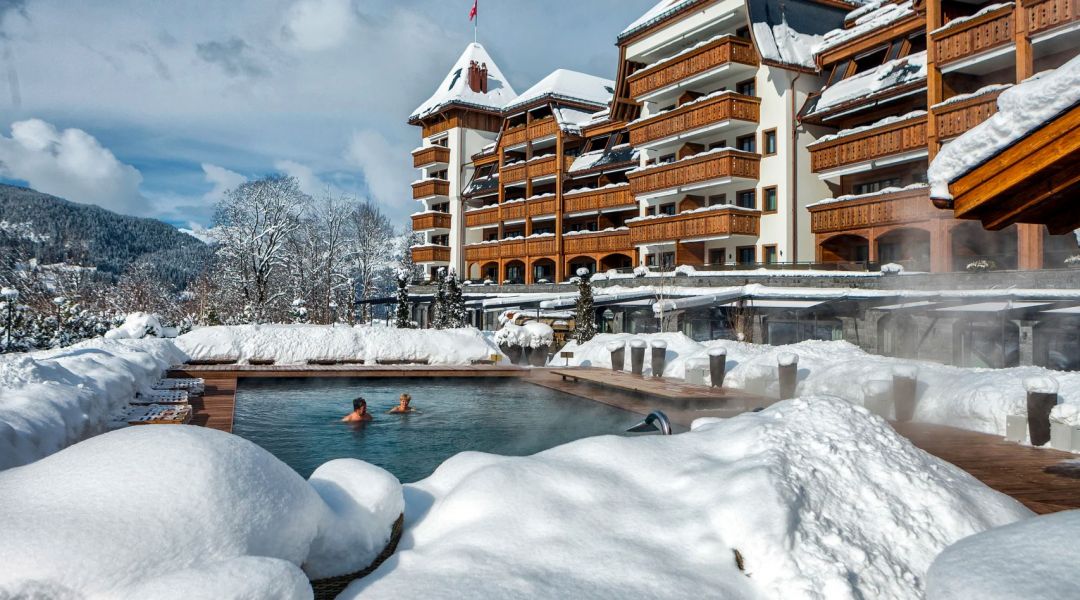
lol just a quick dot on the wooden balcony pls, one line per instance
(430, 187)
(695, 116)
(1049, 14)
(513, 211)
(604, 241)
(479, 218)
(429, 254)
(598, 199)
(425, 157)
(974, 36)
(957, 117)
(541, 206)
(891, 139)
(906, 206)
(427, 221)
(541, 129)
(701, 60)
(540, 246)
(699, 169)
(724, 221)
(515, 136)
(512, 249)
(478, 252)
(513, 174)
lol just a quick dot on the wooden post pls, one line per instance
(637, 356)
(659, 357)
(787, 370)
(1042, 396)
(618, 355)
(717, 366)
(905, 382)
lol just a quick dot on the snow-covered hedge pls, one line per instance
(141, 511)
(975, 399)
(530, 335)
(54, 398)
(815, 498)
(297, 344)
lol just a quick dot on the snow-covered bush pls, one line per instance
(137, 326)
(892, 269)
(685, 270)
(133, 505)
(981, 265)
(641, 271)
(298, 311)
(1073, 261)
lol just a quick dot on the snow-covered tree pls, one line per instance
(408, 239)
(371, 237)
(15, 334)
(455, 313)
(402, 318)
(584, 312)
(298, 312)
(438, 305)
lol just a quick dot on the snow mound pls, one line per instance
(54, 398)
(819, 498)
(135, 327)
(298, 344)
(150, 508)
(1035, 558)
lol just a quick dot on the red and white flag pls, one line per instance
(472, 11)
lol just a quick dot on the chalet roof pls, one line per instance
(875, 82)
(563, 84)
(787, 31)
(455, 90)
(865, 19)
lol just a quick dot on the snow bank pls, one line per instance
(817, 498)
(298, 344)
(135, 327)
(530, 335)
(54, 398)
(975, 399)
(144, 509)
(1035, 558)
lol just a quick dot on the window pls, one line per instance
(770, 254)
(720, 144)
(746, 143)
(768, 199)
(746, 199)
(839, 72)
(894, 50)
(440, 240)
(746, 255)
(870, 187)
(650, 260)
(666, 209)
(746, 88)
(716, 256)
(768, 142)
(717, 199)
(868, 60)
(650, 211)
(667, 260)
(443, 207)
(443, 141)
(667, 158)
(743, 32)
(917, 43)
(439, 174)
(493, 236)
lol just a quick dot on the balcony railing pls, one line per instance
(725, 221)
(428, 254)
(904, 206)
(541, 206)
(706, 58)
(894, 138)
(540, 246)
(957, 117)
(486, 216)
(515, 135)
(512, 248)
(513, 211)
(542, 128)
(598, 199)
(431, 221)
(974, 36)
(424, 157)
(479, 252)
(699, 169)
(603, 241)
(430, 187)
(1048, 14)
(513, 174)
(695, 115)
(540, 167)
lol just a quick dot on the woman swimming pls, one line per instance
(359, 413)
(403, 405)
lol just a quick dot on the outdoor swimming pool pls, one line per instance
(298, 420)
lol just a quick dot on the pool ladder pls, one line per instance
(656, 421)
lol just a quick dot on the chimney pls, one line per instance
(478, 77)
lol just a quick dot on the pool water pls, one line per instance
(299, 420)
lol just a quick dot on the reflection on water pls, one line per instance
(299, 420)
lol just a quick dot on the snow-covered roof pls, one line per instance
(1022, 109)
(983, 91)
(571, 120)
(620, 154)
(895, 73)
(881, 15)
(563, 84)
(657, 13)
(787, 31)
(455, 89)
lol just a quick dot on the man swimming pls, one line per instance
(359, 413)
(403, 405)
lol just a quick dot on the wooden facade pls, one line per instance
(428, 254)
(696, 115)
(974, 36)
(698, 61)
(699, 169)
(598, 199)
(955, 118)
(431, 220)
(908, 135)
(426, 157)
(430, 187)
(714, 223)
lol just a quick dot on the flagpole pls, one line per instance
(476, 20)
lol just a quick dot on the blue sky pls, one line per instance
(154, 108)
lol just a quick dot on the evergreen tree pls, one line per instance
(456, 314)
(439, 312)
(15, 327)
(401, 317)
(298, 311)
(584, 313)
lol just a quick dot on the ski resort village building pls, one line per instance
(737, 134)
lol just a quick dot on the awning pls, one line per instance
(1003, 307)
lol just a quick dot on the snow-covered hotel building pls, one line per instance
(736, 133)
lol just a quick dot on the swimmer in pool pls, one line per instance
(359, 413)
(403, 405)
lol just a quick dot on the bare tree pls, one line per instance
(253, 224)
(371, 239)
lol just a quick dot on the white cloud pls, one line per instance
(309, 182)
(222, 179)
(385, 167)
(71, 164)
(197, 231)
(318, 24)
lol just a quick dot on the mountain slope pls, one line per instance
(54, 230)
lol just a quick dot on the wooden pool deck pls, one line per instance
(1037, 477)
